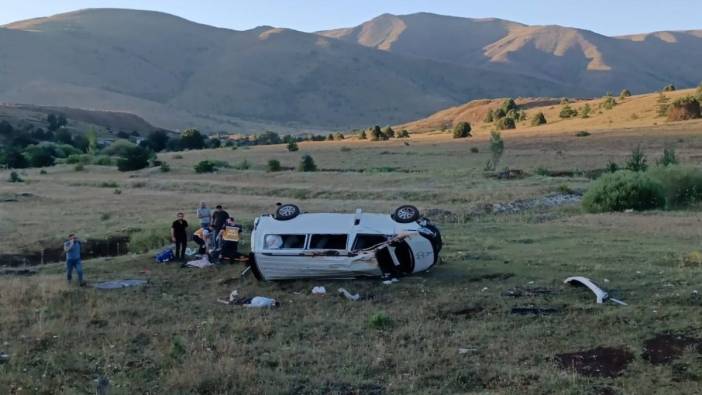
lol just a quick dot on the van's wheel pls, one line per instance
(406, 214)
(286, 212)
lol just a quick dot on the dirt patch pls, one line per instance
(468, 312)
(92, 248)
(600, 361)
(490, 276)
(534, 310)
(666, 347)
(519, 292)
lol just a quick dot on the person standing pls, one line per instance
(72, 249)
(204, 214)
(219, 219)
(179, 235)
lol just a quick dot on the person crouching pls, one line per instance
(230, 236)
(202, 237)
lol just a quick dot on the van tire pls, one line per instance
(406, 214)
(286, 212)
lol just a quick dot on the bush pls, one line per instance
(192, 139)
(637, 160)
(103, 161)
(363, 135)
(307, 164)
(497, 148)
(608, 103)
(568, 112)
(292, 146)
(509, 105)
(377, 134)
(684, 108)
(669, 157)
(582, 133)
(274, 165)
(118, 148)
(39, 156)
(404, 134)
(165, 167)
(489, 117)
(612, 167)
(380, 321)
(474, 150)
(682, 186)
(79, 167)
(624, 190)
(345, 149)
(669, 88)
(84, 159)
(14, 177)
(662, 107)
(624, 93)
(389, 132)
(205, 166)
(585, 111)
(462, 130)
(135, 158)
(539, 119)
(505, 123)
(243, 165)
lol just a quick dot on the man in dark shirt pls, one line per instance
(219, 219)
(179, 235)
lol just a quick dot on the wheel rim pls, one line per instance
(405, 213)
(287, 211)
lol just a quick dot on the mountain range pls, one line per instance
(176, 73)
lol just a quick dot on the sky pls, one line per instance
(609, 17)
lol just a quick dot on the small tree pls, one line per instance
(307, 164)
(499, 114)
(192, 139)
(497, 148)
(669, 157)
(489, 117)
(669, 88)
(509, 105)
(363, 135)
(14, 177)
(662, 107)
(637, 160)
(389, 132)
(585, 111)
(462, 130)
(568, 112)
(608, 102)
(339, 136)
(292, 146)
(377, 134)
(505, 124)
(274, 165)
(91, 135)
(539, 119)
(135, 158)
(158, 140)
(624, 94)
(214, 143)
(205, 166)
(404, 134)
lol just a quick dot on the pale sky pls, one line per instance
(610, 17)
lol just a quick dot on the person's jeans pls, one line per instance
(71, 264)
(180, 244)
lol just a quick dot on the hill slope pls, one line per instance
(584, 60)
(172, 71)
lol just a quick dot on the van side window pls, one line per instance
(284, 242)
(328, 242)
(366, 241)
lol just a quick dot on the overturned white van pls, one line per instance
(294, 245)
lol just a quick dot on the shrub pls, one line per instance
(79, 167)
(462, 130)
(307, 164)
(192, 139)
(624, 190)
(274, 165)
(389, 132)
(585, 111)
(330, 137)
(243, 165)
(489, 117)
(39, 156)
(339, 136)
(669, 157)
(474, 150)
(14, 177)
(624, 93)
(637, 160)
(165, 167)
(292, 146)
(662, 107)
(612, 167)
(380, 321)
(539, 119)
(682, 186)
(345, 149)
(568, 112)
(499, 114)
(43, 172)
(108, 184)
(117, 191)
(693, 258)
(178, 156)
(135, 158)
(582, 133)
(608, 103)
(363, 135)
(669, 88)
(377, 134)
(497, 148)
(205, 166)
(505, 123)
(684, 108)
(118, 148)
(509, 105)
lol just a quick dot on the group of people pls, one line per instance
(218, 235)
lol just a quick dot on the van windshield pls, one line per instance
(328, 242)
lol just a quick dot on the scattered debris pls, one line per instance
(391, 281)
(4, 358)
(348, 295)
(261, 301)
(165, 255)
(491, 276)
(466, 350)
(665, 347)
(601, 295)
(190, 251)
(102, 386)
(117, 284)
(235, 299)
(600, 361)
(17, 272)
(534, 310)
(319, 291)
(468, 312)
(545, 202)
(199, 263)
(519, 292)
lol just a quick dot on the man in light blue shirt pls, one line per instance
(72, 249)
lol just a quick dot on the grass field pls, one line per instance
(173, 337)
